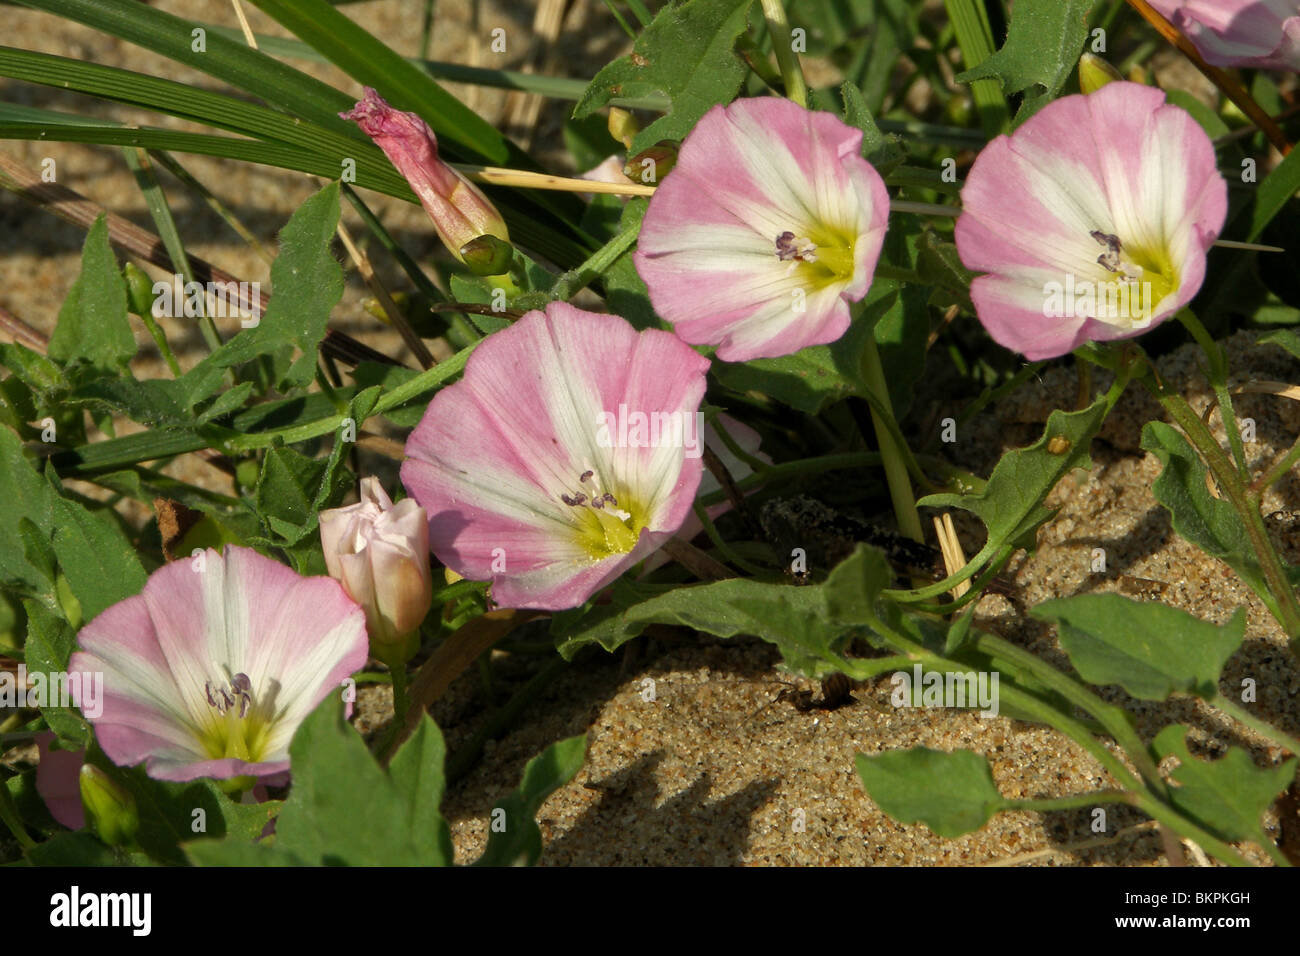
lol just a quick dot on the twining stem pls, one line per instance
(896, 476)
(1073, 802)
(777, 24)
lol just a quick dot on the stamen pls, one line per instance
(791, 248)
(585, 475)
(573, 500)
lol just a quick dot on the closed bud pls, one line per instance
(1094, 73)
(379, 552)
(459, 210)
(623, 126)
(110, 809)
(139, 290)
(487, 255)
(651, 165)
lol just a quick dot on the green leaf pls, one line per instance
(885, 152)
(1043, 46)
(1208, 522)
(50, 642)
(1283, 339)
(307, 281)
(819, 375)
(100, 563)
(1149, 649)
(1227, 796)
(808, 624)
(520, 842)
(687, 54)
(288, 488)
(344, 809)
(1010, 504)
(1274, 193)
(23, 495)
(951, 793)
(93, 326)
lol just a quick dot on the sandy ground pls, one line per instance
(721, 767)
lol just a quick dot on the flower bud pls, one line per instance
(139, 289)
(459, 210)
(379, 552)
(1094, 73)
(110, 808)
(651, 165)
(487, 255)
(623, 126)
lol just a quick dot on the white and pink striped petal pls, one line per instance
(769, 225)
(567, 453)
(209, 671)
(1091, 222)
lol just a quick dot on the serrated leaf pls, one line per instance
(1149, 649)
(93, 325)
(1043, 46)
(951, 793)
(1227, 796)
(1010, 504)
(1208, 522)
(687, 54)
(23, 495)
(288, 487)
(520, 842)
(344, 809)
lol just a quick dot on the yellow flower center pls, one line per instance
(823, 255)
(234, 726)
(1141, 277)
(607, 522)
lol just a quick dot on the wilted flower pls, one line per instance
(769, 226)
(209, 671)
(1258, 33)
(1092, 220)
(379, 552)
(459, 210)
(567, 453)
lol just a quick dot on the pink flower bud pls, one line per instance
(459, 210)
(379, 552)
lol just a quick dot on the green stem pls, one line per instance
(1071, 803)
(160, 339)
(727, 552)
(1219, 382)
(782, 44)
(896, 476)
(1276, 473)
(975, 37)
(9, 814)
(1261, 727)
(1281, 598)
(574, 280)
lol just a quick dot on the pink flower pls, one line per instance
(58, 781)
(1259, 33)
(567, 453)
(769, 225)
(379, 552)
(209, 671)
(1092, 220)
(459, 210)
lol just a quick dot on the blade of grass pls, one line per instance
(971, 22)
(138, 162)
